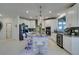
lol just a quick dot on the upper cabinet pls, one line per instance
(31, 24)
(72, 16)
(78, 14)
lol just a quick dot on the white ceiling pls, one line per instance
(19, 9)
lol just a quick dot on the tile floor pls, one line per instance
(14, 47)
(55, 50)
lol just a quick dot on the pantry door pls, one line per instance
(8, 31)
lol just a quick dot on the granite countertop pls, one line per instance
(71, 35)
(66, 34)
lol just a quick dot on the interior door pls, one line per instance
(8, 31)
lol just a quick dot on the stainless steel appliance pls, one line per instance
(59, 40)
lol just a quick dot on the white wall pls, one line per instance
(52, 23)
(15, 29)
(1, 32)
(14, 22)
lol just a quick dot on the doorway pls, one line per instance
(8, 31)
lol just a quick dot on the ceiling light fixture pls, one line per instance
(50, 12)
(27, 11)
(0, 15)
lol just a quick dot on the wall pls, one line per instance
(3, 31)
(14, 22)
(52, 23)
(31, 24)
(15, 29)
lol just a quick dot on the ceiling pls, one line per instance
(19, 9)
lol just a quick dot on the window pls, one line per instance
(62, 24)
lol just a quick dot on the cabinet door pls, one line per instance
(32, 24)
(78, 14)
(75, 16)
(67, 43)
(75, 45)
(8, 31)
(71, 17)
(53, 36)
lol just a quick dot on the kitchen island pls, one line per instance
(39, 45)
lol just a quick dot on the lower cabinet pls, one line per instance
(71, 44)
(75, 45)
(67, 43)
(53, 36)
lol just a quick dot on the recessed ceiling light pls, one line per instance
(50, 11)
(0, 15)
(27, 11)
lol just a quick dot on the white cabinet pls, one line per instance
(75, 45)
(78, 14)
(53, 36)
(72, 17)
(71, 44)
(31, 24)
(67, 43)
